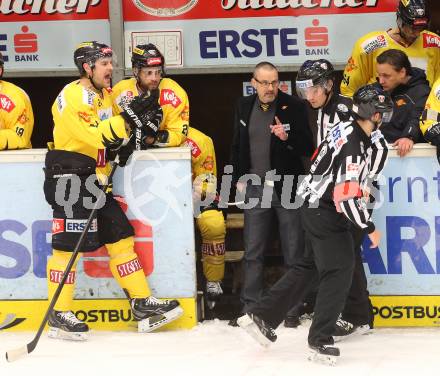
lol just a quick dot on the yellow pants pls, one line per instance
(211, 224)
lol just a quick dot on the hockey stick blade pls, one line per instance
(15, 354)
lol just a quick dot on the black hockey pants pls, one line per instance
(330, 251)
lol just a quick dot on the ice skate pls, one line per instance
(325, 354)
(257, 329)
(345, 329)
(213, 293)
(153, 313)
(65, 325)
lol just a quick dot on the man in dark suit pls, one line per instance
(271, 134)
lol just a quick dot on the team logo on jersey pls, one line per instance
(337, 137)
(57, 225)
(352, 170)
(208, 164)
(437, 93)
(431, 41)
(61, 102)
(6, 103)
(165, 8)
(78, 225)
(85, 116)
(88, 96)
(376, 136)
(167, 96)
(125, 98)
(184, 115)
(374, 43)
(400, 102)
(105, 113)
(195, 150)
(22, 119)
(351, 65)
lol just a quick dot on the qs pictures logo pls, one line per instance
(10, 321)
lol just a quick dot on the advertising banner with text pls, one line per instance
(200, 33)
(42, 35)
(156, 195)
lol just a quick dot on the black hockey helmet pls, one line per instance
(314, 73)
(147, 55)
(90, 52)
(370, 99)
(413, 13)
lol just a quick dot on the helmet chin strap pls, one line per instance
(93, 82)
(377, 124)
(328, 93)
(402, 34)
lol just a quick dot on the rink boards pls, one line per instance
(155, 192)
(155, 189)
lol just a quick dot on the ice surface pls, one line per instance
(214, 348)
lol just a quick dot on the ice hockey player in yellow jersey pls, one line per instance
(210, 221)
(430, 120)
(148, 70)
(148, 66)
(86, 134)
(16, 116)
(410, 36)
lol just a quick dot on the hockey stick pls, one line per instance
(13, 355)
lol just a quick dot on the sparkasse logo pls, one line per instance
(316, 36)
(26, 45)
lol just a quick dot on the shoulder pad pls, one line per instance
(373, 42)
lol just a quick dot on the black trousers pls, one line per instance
(257, 233)
(330, 252)
(358, 309)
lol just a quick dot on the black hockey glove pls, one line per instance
(432, 134)
(162, 138)
(144, 115)
(124, 153)
(146, 136)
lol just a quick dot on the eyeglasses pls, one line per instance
(266, 83)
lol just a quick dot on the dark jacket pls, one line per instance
(285, 156)
(409, 101)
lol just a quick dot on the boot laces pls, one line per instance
(69, 317)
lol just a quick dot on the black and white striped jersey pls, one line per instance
(377, 155)
(343, 167)
(336, 110)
